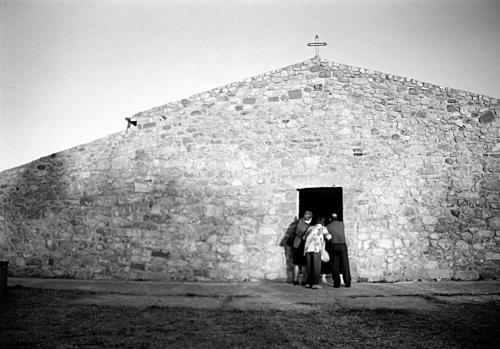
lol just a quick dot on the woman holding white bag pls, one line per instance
(314, 246)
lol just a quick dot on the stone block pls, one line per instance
(363, 236)
(483, 233)
(491, 182)
(445, 244)
(492, 256)
(138, 266)
(267, 230)
(377, 252)
(249, 100)
(367, 245)
(325, 73)
(221, 248)
(494, 223)
(213, 210)
(142, 188)
(295, 94)
(421, 114)
(466, 275)
(315, 69)
(212, 239)
(398, 243)
(86, 200)
(466, 236)
(440, 274)
(487, 116)
(19, 262)
(89, 262)
(160, 254)
(491, 165)
(343, 131)
(372, 275)
(359, 81)
(431, 265)
(386, 244)
(256, 274)
(461, 245)
(120, 162)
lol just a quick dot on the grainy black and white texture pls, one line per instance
(205, 187)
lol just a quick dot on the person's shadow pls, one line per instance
(287, 242)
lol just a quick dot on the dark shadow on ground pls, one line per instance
(51, 319)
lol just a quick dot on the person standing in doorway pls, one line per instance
(299, 260)
(338, 252)
(315, 243)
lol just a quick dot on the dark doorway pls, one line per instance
(321, 201)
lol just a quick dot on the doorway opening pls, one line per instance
(322, 202)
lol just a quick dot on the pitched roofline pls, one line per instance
(181, 103)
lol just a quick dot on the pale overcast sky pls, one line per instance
(72, 70)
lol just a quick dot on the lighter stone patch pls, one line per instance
(461, 245)
(445, 244)
(440, 274)
(359, 81)
(213, 210)
(312, 162)
(120, 162)
(492, 256)
(363, 236)
(398, 243)
(20, 262)
(247, 164)
(344, 131)
(142, 188)
(236, 183)
(466, 275)
(236, 249)
(494, 222)
(156, 209)
(431, 265)
(385, 244)
(267, 231)
(429, 220)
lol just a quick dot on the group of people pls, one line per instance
(317, 250)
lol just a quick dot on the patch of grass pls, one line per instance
(36, 318)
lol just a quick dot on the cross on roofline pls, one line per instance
(316, 44)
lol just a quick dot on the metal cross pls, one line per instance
(316, 43)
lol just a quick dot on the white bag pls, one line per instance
(325, 257)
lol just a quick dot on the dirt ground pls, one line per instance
(88, 314)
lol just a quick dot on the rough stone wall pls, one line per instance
(205, 187)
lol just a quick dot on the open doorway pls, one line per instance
(321, 201)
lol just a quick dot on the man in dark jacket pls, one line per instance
(299, 260)
(338, 252)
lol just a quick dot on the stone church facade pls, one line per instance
(204, 188)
